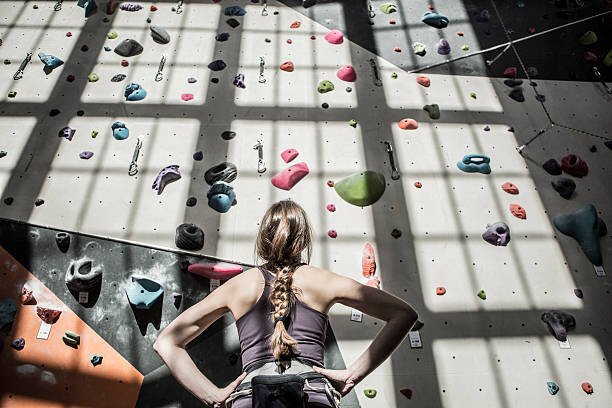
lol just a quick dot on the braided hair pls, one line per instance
(284, 233)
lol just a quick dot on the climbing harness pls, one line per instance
(159, 76)
(179, 7)
(24, 64)
(261, 164)
(603, 82)
(264, 8)
(371, 12)
(58, 5)
(133, 170)
(375, 72)
(395, 175)
(262, 67)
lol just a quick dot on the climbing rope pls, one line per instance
(24, 64)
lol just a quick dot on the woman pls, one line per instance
(281, 315)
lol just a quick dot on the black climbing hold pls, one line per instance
(159, 35)
(197, 156)
(54, 112)
(63, 241)
(9, 200)
(118, 78)
(80, 113)
(593, 149)
(325, 105)
(511, 129)
(3, 153)
(564, 186)
(222, 37)
(149, 20)
(225, 171)
(396, 233)
(559, 323)
(39, 202)
(7, 62)
(191, 201)
(608, 144)
(540, 98)
(511, 82)
(517, 94)
(18, 343)
(552, 167)
(228, 135)
(275, 13)
(70, 78)
(84, 48)
(268, 40)
(217, 65)
(189, 237)
(232, 22)
(214, 80)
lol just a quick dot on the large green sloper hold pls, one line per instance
(585, 227)
(361, 189)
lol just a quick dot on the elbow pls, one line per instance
(159, 344)
(409, 317)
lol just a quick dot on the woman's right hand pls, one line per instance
(340, 379)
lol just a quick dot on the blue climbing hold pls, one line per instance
(120, 131)
(134, 92)
(234, 11)
(475, 163)
(435, 20)
(51, 62)
(553, 388)
(96, 360)
(586, 228)
(143, 292)
(8, 308)
(221, 196)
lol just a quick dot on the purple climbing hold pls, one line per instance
(18, 343)
(191, 201)
(497, 234)
(167, 175)
(559, 323)
(444, 47)
(67, 132)
(578, 293)
(86, 155)
(217, 65)
(130, 6)
(239, 81)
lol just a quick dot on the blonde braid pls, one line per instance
(282, 299)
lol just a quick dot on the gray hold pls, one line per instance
(159, 35)
(129, 48)
(82, 274)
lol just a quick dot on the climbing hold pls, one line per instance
(186, 97)
(191, 201)
(26, 295)
(473, 95)
(12, 94)
(177, 298)
(222, 37)
(234, 11)
(153, 7)
(486, 128)
(512, 82)
(134, 92)
(296, 24)
(38, 202)
(517, 94)
(129, 48)
(352, 123)
(48, 315)
(586, 228)
(239, 81)
(510, 72)
(497, 234)
(578, 293)
(68, 34)
(62, 239)
(118, 78)
(552, 167)
(289, 41)
(330, 183)
(228, 135)
(423, 81)
(166, 176)
(435, 20)
(347, 73)
(406, 392)
(96, 360)
(232, 22)
(198, 156)
(518, 211)
(82, 275)
(221, 197)
(159, 35)
(289, 177)
(440, 290)
(93, 77)
(418, 184)
(510, 188)
(482, 294)
(332, 233)
(143, 292)
(394, 75)
(553, 388)
(465, 47)
(71, 338)
(388, 8)
(475, 163)
(432, 110)
(289, 154)
(532, 72)
(125, 63)
(66, 132)
(588, 38)
(8, 200)
(574, 166)
(54, 112)
(189, 237)
(120, 131)
(395, 233)
(224, 171)
(191, 80)
(287, 66)
(112, 35)
(564, 186)
(408, 124)
(361, 189)
(325, 105)
(334, 37)
(8, 308)
(397, 49)
(484, 16)
(419, 49)
(368, 261)
(587, 387)
(50, 61)
(330, 207)
(443, 47)
(559, 323)
(607, 60)
(18, 343)
(216, 270)
(325, 86)
(130, 6)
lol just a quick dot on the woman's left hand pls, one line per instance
(217, 399)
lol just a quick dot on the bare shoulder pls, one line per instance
(317, 286)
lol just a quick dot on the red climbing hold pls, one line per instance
(330, 207)
(125, 63)
(460, 33)
(423, 81)
(518, 211)
(406, 392)
(510, 72)
(295, 24)
(330, 183)
(408, 124)
(397, 49)
(587, 387)
(574, 165)
(440, 290)
(332, 233)
(510, 188)
(49, 316)
(153, 7)
(313, 37)
(287, 66)
(289, 41)
(418, 184)
(69, 34)
(368, 261)
(531, 30)
(26, 295)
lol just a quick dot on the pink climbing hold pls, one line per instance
(440, 290)
(289, 154)
(330, 207)
(217, 270)
(287, 66)
(69, 34)
(330, 183)
(423, 81)
(332, 233)
(510, 188)
(186, 97)
(518, 211)
(288, 178)
(296, 24)
(510, 72)
(289, 41)
(334, 37)
(408, 124)
(347, 73)
(590, 56)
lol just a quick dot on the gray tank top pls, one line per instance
(305, 324)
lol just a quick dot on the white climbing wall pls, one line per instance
(441, 222)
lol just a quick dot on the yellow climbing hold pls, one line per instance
(94, 134)
(93, 77)
(369, 392)
(112, 35)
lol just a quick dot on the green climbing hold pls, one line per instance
(465, 47)
(394, 75)
(388, 8)
(482, 294)
(94, 134)
(607, 61)
(112, 35)
(93, 77)
(353, 123)
(473, 95)
(325, 86)
(106, 19)
(361, 189)
(433, 110)
(369, 392)
(588, 38)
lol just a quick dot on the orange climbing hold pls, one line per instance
(518, 211)
(368, 261)
(587, 387)
(296, 24)
(440, 290)
(408, 124)
(287, 66)
(423, 81)
(510, 188)
(374, 282)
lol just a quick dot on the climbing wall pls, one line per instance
(474, 352)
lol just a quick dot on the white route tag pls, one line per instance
(214, 284)
(415, 339)
(83, 297)
(564, 344)
(356, 316)
(599, 271)
(43, 331)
